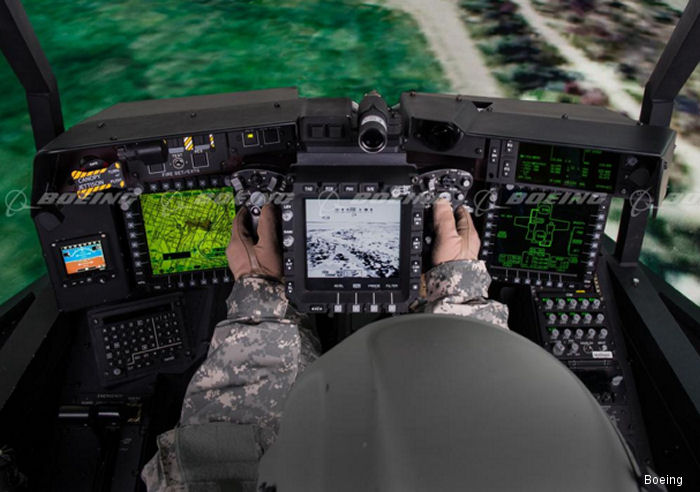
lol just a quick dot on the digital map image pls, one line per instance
(188, 230)
(537, 240)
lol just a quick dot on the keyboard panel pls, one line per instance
(139, 338)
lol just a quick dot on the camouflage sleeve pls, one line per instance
(254, 357)
(461, 288)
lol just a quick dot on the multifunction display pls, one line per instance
(353, 238)
(544, 238)
(584, 169)
(188, 230)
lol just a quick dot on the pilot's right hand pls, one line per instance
(257, 258)
(453, 241)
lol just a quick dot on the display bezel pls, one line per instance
(138, 244)
(81, 277)
(367, 295)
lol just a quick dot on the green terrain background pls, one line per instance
(105, 52)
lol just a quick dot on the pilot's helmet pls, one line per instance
(435, 402)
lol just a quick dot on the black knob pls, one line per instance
(448, 181)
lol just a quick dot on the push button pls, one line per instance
(250, 138)
(417, 219)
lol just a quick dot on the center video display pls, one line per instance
(188, 230)
(352, 238)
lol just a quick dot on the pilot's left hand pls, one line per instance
(257, 258)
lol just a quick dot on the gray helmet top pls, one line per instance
(434, 402)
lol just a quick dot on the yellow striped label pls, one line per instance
(211, 141)
(93, 189)
(84, 174)
(188, 143)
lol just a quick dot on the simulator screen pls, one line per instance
(83, 257)
(188, 230)
(353, 238)
(556, 238)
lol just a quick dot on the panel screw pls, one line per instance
(193, 114)
(635, 282)
(101, 124)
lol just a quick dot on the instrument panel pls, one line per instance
(123, 218)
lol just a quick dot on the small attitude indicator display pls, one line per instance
(83, 257)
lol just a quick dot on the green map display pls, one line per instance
(544, 237)
(544, 242)
(188, 230)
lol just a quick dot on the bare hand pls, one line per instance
(458, 241)
(246, 257)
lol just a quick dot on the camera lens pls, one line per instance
(372, 134)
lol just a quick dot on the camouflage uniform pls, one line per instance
(254, 358)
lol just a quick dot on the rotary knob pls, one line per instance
(563, 318)
(587, 318)
(551, 318)
(596, 303)
(548, 304)
(567, 334)
(257, 199)
(578, 334)
(558, 349)
(603, 334)
(573, 303)
(448, 181)
(573, 348)
(561, 303)
(599, 318)
(287, 215)
(554, 334)
(288, 241)
(585, 303)
(591, 333)
(575, 318)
